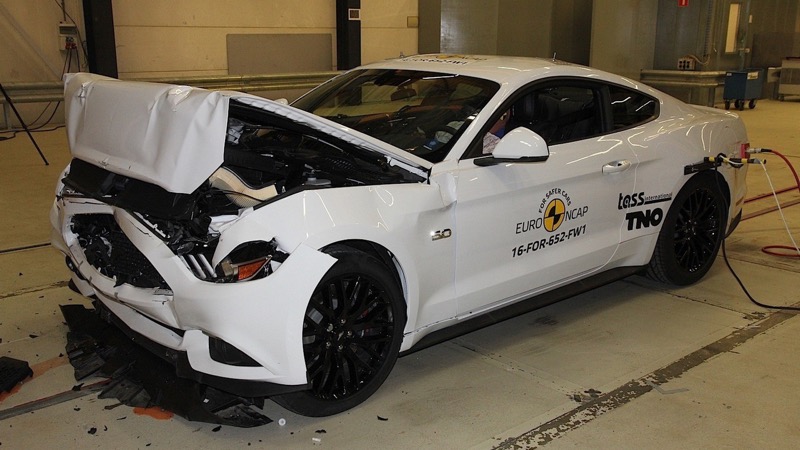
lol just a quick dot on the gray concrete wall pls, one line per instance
(509, 27)
(525, 28)
(770, 32)
(680, 31)
(623, 36)
(469, 26)
(430, 26)
(572, 30)
(776, 31)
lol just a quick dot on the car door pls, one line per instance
(522, 228)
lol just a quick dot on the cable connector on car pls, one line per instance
(735, 162)
(712, 162)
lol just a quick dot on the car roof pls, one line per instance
(502, 69)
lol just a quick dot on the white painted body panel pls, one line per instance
(444, 281)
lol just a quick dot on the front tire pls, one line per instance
(692, 233)
(352, 332)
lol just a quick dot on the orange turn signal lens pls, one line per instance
(247, 270)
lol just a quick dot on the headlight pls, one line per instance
(250, 261)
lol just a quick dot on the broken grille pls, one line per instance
(110, 251)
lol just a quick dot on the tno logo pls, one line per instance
(644, 219)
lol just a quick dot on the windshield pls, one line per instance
(420, 112)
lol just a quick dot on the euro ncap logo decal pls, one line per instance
(554, 214)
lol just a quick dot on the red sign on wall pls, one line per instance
(682, 3)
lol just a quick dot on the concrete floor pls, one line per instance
(634, 364)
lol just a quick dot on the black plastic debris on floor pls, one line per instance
(12, 372)
(141, 379)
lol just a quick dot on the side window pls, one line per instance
(560, 114)
(630, 108)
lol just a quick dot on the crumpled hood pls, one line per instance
(169, 135)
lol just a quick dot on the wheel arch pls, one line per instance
(390, 263)
(722, 182)
(724, 187)
(681, 255)
(379, 251)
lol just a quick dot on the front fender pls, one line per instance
(400, 218)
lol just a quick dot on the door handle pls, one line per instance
(617, 166)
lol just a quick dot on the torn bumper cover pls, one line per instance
(138, 378)
(243, 337)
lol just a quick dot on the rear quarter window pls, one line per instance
(630, 108)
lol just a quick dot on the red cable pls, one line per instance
(791, 167)
(770, 249)
(768, 194)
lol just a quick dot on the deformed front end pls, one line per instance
(152, 216)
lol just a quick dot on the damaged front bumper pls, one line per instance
(201, 326)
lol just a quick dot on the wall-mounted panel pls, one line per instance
(278, 53)
(227, 14)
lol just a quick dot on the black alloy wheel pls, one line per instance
(692, 233)
(352, 332)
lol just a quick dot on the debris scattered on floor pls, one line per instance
(217, 428)
(587, 395)
(281, 421)
(593, 393)
(154, 412)
(322, 431)
(663, 391)
(92, 430)
(12, 372)
(141, 379)
(384, 419)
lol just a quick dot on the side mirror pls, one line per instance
(520, 145)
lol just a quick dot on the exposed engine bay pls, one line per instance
(266, 157)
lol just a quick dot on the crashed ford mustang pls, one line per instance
(295, 251)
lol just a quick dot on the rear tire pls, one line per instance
(692, 233)
(352, 332)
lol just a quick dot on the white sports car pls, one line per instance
(296, 251)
